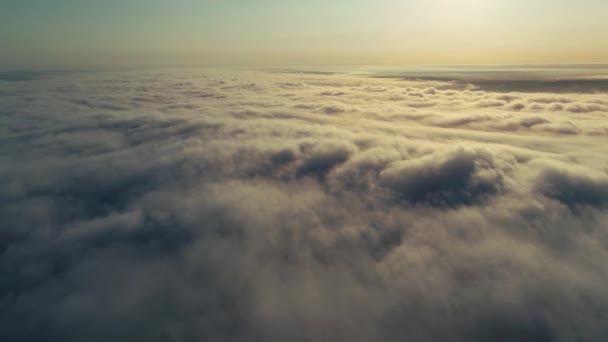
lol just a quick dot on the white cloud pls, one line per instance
(225, 205)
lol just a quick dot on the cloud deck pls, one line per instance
(246, 206)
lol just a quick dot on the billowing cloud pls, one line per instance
(457, 177)
(250, 206)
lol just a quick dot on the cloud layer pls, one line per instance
(250, 206)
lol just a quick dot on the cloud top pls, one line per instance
(250, 206)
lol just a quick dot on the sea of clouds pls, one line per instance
(285, 206)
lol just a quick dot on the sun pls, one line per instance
(452, 4)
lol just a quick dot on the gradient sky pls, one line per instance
(77, 33)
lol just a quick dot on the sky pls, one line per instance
(73, 34)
